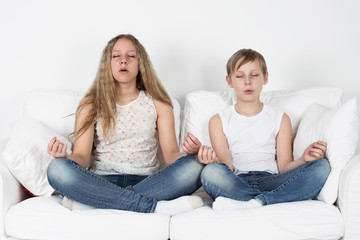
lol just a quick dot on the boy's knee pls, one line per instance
(323, 169)
(213, 172)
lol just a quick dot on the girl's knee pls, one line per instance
(187, 169)
(192, 164)
(59, 172)
(56, 166)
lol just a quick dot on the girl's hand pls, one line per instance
(207, 155)
(314, 151)
(191, 144)
(57, 149)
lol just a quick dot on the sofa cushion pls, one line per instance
(200, 106)
(295, 220)
(45, 218)
(26, 154)
(339, 127)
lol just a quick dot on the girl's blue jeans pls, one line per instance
(125, 192)
(301, 183)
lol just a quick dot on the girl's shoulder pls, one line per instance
(145, 94)
(86, 104)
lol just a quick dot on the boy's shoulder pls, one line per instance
(273, 109)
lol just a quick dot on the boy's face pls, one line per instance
(247, 81)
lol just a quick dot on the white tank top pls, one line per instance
(252, 140)
(132, 148)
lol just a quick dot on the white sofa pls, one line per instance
(335, 214)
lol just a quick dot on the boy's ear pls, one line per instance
(228, 80)
(266, 79)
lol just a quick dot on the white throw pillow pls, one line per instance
(295, 102)
(26, 154)
(56, 108)
(200, 106)
(177, 111)
(339, 127)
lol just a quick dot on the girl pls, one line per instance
(253, 143)
(121, 119)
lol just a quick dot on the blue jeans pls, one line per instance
(125, 192)
(301, 183)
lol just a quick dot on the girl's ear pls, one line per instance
(228, 81)
(266, 79)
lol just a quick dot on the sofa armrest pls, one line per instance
(349, 197)
(11, 191)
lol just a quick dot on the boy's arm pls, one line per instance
(219, 142)
(284, 151)
(284, 154)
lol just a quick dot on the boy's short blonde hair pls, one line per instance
(245, 56)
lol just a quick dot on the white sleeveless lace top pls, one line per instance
(132, 148)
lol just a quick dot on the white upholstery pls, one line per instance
(45, 218)
(296, 220)
(349, 198)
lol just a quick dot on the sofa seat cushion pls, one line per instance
(46, 218)
(296, 220)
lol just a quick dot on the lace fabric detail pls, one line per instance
(132, 147)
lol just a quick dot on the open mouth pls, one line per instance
(123, 70)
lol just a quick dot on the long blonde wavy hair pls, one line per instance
(100, 98)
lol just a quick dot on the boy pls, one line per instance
(253, 146)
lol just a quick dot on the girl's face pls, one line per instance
(247, 81)
(124, 62)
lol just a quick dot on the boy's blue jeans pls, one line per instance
(125, 192)
(301, 183)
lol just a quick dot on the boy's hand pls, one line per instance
(207, 155)
(57, 149)
(314, 151)
(191, 144)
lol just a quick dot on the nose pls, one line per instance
(247, 81)
(123, 60)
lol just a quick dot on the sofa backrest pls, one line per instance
(200, 106)
(56, 109)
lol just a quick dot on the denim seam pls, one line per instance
(305, 169)
(219, 190)
(174, 164)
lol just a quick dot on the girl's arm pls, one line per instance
(219, 142)
(166, 132)
(82, 145)
(191, 144)
(284, 151)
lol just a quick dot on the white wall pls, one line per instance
(57, 44)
